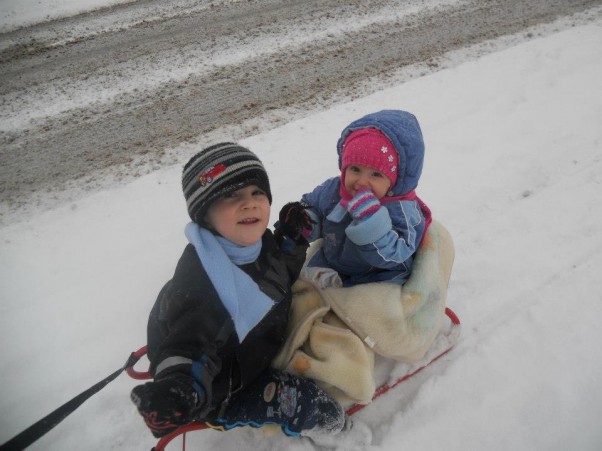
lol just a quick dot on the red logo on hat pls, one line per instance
(207, 177)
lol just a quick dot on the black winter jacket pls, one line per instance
(191, 332)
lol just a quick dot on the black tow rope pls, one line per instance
(37, 430)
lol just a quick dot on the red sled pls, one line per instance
(436, 352)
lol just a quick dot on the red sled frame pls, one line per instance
(197, 425)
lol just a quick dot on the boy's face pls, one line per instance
(242, 217)
(358, 177)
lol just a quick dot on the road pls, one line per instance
(107, 95)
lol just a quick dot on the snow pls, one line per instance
(20, 13)
(14, 13)
(54, 98)
(513, 170)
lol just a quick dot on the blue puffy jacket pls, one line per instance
(380, 247)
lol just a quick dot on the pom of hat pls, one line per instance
(370, 147)
(218, 171)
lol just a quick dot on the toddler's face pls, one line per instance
(242, 217)
(358, 177)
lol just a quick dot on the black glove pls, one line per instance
(168, 403)
(294, 222)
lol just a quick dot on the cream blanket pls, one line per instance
(335, 332)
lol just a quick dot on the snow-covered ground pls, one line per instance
(17, 13)
(513, 169)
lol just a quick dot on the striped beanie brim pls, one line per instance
(218, 171)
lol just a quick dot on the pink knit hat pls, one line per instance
(370, 147)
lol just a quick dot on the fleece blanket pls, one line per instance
(335, 332)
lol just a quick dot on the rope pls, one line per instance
(42, 427)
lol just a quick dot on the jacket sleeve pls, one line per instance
(321, 200)
(292, 255)
(389, 237)
(185, 330)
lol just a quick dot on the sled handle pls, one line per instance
(134, 357)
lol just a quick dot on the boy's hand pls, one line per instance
(295, 222)
(167, 404)
(363, 205)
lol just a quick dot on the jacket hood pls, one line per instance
(403, 130)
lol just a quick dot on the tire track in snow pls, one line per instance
(136, 127)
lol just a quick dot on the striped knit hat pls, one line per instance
(218, 171)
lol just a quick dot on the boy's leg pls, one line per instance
(298, 405)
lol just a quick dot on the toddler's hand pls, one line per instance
(363, 205)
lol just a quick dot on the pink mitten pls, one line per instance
(363, 204)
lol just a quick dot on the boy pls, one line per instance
(217, 324)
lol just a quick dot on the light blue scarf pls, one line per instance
(241, 296)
